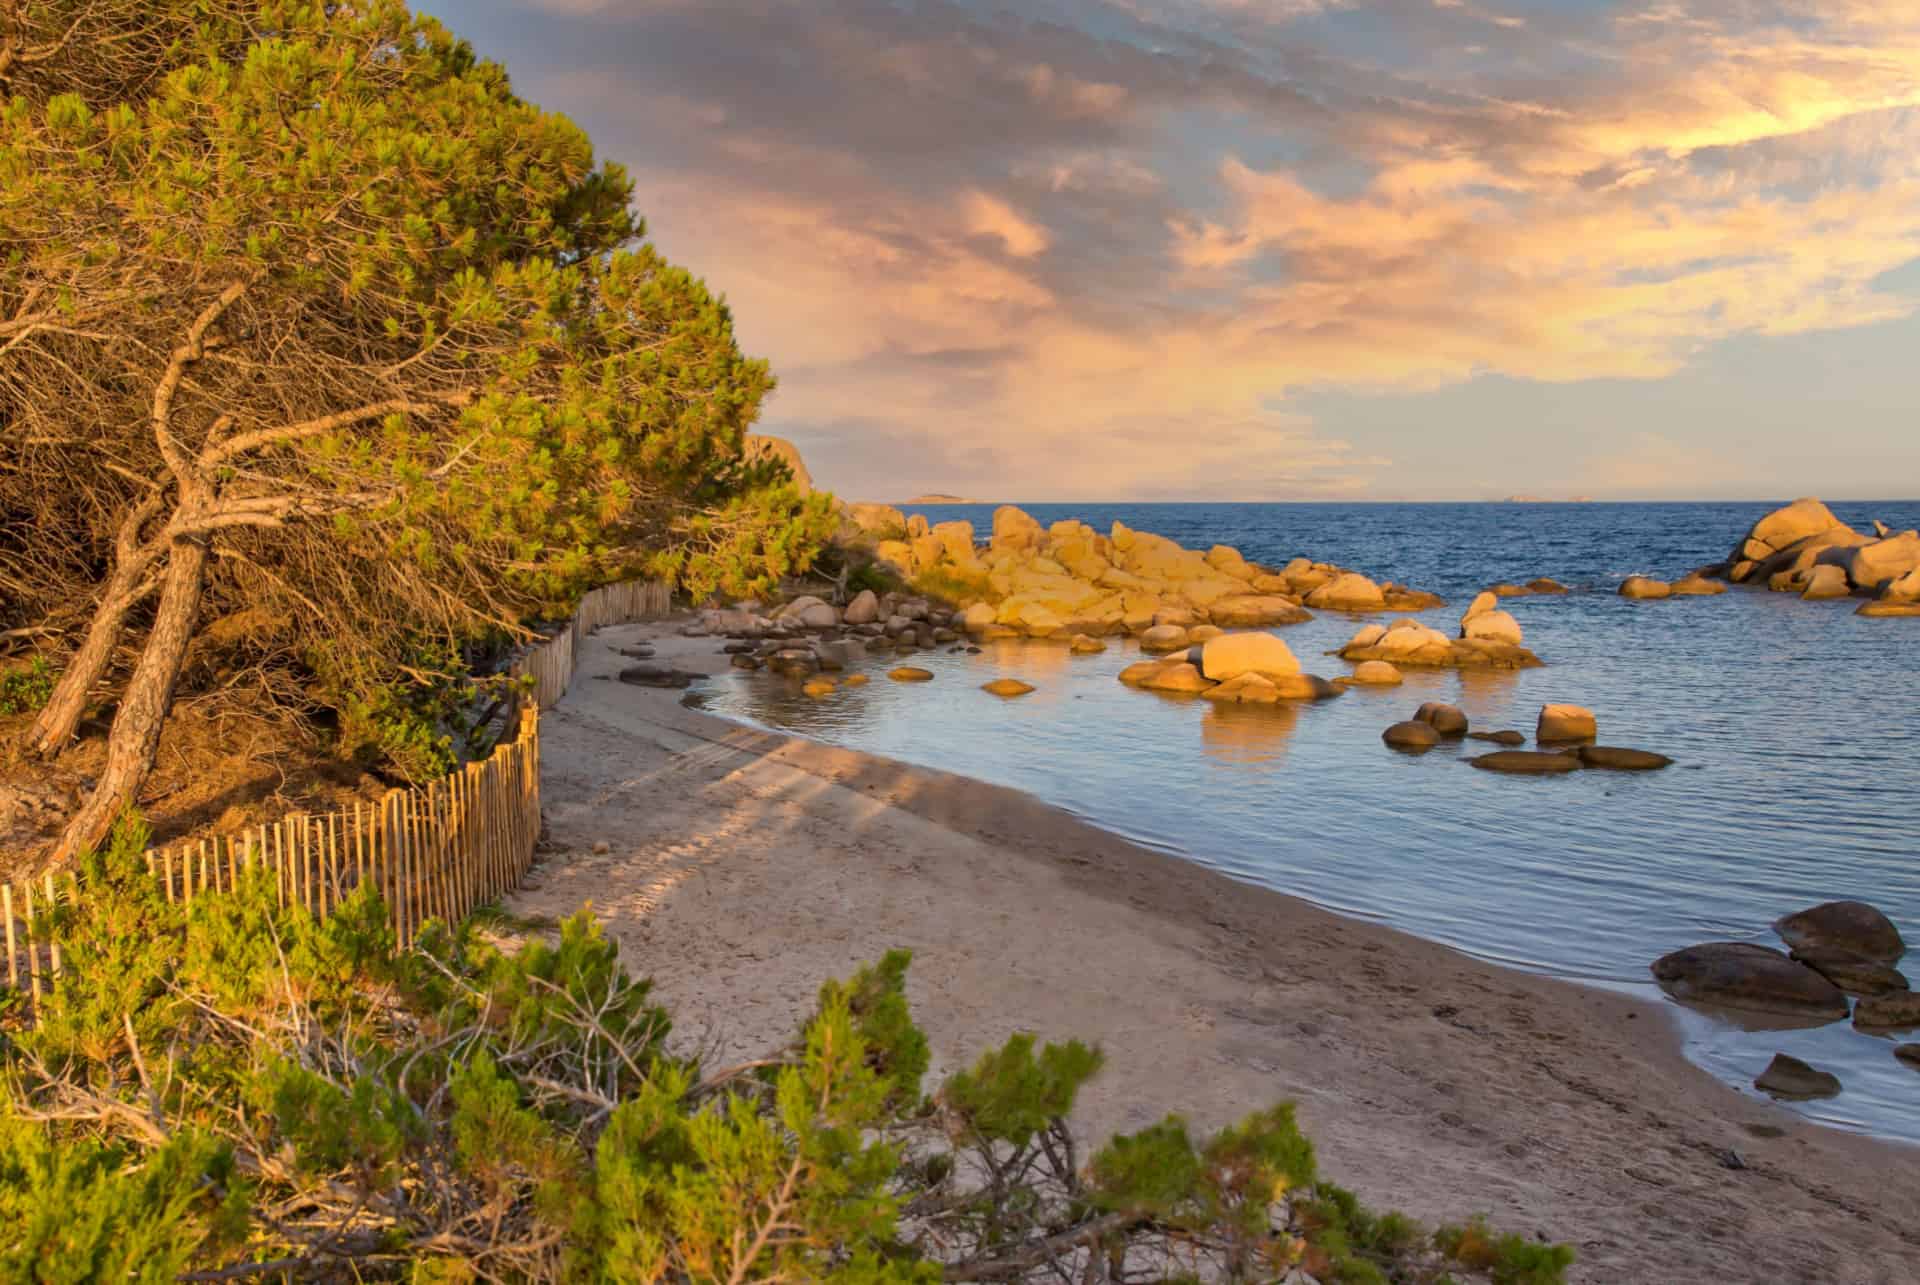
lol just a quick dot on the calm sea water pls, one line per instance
(1796, 726)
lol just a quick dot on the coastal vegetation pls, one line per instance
(237, 1090)
(328, 367)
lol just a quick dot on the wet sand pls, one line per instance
(744, 867)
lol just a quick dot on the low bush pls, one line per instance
(237, 1090)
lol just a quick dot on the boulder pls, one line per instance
(1369, 636)
(917, 527)
(1304, 687)
(1409, 641)
(1902, 589)
(797, 662)
(1448, 720)
(864, 609)
(1737, 974)
(1534, 762)
(910, 674)
(856, 680)
(1855, 974)
(1139, 671)
(1205, 633)
(878, 519)
(1495, 626)
(1255, 611)
(1483, 602)
(1376, 673)
(1008, 687)
(1181, 616)
(1248, 688)
(1400, 598)
(1824, 582)
(1545, 585)
(1014, 529)
(1696, 585)
(1176, 676)
(1348, 591)
(1645, 587)
(1411, 735)
(757, 447)
(1893, 1011)
(1619, 759)
(1166, 638)
(1782, 527)
(1872, 565)
(1086, 645)
(1499, 738)
(1231, 655)
(744, 661)
(977, 617)
(840, 653)
(1850, 926)
(1790, 1078)
(819, 686)
(955, 539)
(1227, 560)
(820, 615)
(1565, 723)
(897, 554)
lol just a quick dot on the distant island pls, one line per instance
(1541, 499)
(935, 497)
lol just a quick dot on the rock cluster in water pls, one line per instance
(1837, 952)
(1068, 579)
(1236, 668)
(1803, 548)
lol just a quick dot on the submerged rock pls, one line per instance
(1619, 759)
(1742, 975)
(1855, 974)
(1892, 1011)
(1853, 927)
(1645, 587)
(817, 687)
(910, 674)
(1908, 1053)
(1086, 645)
(1008, 687)
(1531, 762)
(1789, 1077)
(1697, 586)
(1448, 720)
(1411, 735)
(1499, 738)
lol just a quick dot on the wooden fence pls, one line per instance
(433, 852)
(551, 664)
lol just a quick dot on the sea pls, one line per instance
(1795, 726)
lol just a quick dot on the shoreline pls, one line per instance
(747, 866)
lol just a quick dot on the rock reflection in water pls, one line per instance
(1249, 734)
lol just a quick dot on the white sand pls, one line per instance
(746, 867)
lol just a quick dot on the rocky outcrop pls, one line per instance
(1745, 976)
(1409, 642)
(1803, 548)
(1068, 580)
(758, 447)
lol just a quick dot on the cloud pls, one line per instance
(1103, 244)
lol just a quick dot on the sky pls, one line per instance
(1284, 249)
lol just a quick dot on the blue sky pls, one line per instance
(1277, 249)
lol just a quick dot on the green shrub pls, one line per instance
(22, 691)
(240, 1088)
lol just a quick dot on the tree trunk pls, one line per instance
(143, 708)
(55, 726)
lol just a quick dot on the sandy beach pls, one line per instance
(744, 867)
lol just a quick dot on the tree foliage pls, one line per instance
(317, 330)
(238, 1088)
